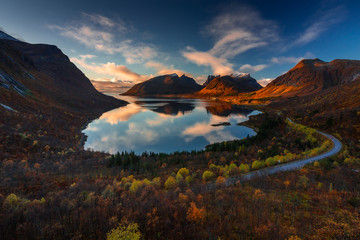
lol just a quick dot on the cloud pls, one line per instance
(251, 68)
(236, 30)
(219, 65)
(323, 20)
(105, 35)
(163, 70)
(102, 20)
(110, 69)
(122, 114)
(265, 81)
(288, 60)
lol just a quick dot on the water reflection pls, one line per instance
(167, 107)
(166, 125)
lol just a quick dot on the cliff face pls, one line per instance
(165, 85)
(229, 85)
(38, 74)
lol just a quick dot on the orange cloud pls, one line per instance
(110, 69)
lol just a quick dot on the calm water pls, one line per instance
(166, 125)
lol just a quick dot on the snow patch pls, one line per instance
(7, 107)
(240, 75)
(7, 81)
(173, 75)
(355, 77)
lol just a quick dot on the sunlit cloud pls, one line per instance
(219, 65)
(111, 69)
(113, 85)
(236, 31)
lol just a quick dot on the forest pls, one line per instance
(51, 188)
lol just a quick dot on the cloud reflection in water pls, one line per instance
(166, 125)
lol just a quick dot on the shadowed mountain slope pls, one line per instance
(35, 75)
(165, 85)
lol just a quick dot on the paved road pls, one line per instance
(294, 165)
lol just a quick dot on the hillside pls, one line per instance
(45, 100)
(229, 85)
(164, 85)
(311, 76)
(33, 76)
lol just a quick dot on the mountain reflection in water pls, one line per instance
(166, 125)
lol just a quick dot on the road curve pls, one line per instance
(294, 165)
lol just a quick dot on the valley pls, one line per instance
(228, 182)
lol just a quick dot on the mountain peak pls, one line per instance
(169, 84)
(240, 75)
(173, 75)
(309, 63)
(6, 36)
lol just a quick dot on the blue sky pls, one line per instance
(135, 40)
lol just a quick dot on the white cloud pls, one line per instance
(236, 30)
(102, 20)
(323, 20)
(265, 81)
(288, 60)
(251, 68)
(97, 32)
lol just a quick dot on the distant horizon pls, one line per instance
(122, 42)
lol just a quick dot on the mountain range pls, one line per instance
(214, 86)
(40, 74)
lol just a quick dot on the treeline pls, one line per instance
(265, 130)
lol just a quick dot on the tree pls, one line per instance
(170, 183)
(123, 232)
(207, 175)
(256, 165)
(195, 214)
(12, 201)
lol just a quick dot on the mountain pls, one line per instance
(311, 76)
(165, 85)
(6, 36)
(33, 76)
(209, 78)
(229, 85)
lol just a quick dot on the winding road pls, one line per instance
(294, 165)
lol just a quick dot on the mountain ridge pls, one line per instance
(229, 85)
(40, 74)
(164, 85)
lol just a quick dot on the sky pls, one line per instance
(132, 41)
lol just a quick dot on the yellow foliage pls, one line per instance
(170, 183)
